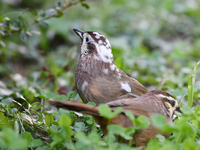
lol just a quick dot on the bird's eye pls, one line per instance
(87, 40)
(172, 103)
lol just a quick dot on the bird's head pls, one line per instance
(170, 102)
(95, 44)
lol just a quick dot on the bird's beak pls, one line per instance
(179, 110)
(79, 33)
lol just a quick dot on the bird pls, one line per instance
(148, 104)
(97, 77)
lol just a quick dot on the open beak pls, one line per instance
(79, 33)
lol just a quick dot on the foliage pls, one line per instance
(156, 42)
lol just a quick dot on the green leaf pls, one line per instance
(36, 143)
(27, 136)
(16, 24)
(130, 116)
(72, 94)
(161, 138)
(64, 121)
(189, 144)
(153, 144)
(186, 110)
(117, 111)
(123, 132)
(50, 12)
(49, 120)
(85, 5)
(169, 128)
(44, 24)
(60, 97)
(158, 121)
(197, 109)
(12, 139)
(105, 111)
(79, 126)
(91, 103)
(47, 94)
(6, 102)
(23, 36)
(142, 122)
(37, 107)
(3, 121)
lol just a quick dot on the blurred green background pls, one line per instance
(156, 42)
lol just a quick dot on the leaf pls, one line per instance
(169, 128)
(54, 128)
(60, 97)
(160, 137)
(34, 12)
(12, 139)
(6, 102)
(23, 23)
(197, 109)
(64, 121)
(27, 136)
(123, 132)
(186, 110)
(79, 126)
(49, 120)
(189, 144)
(37, 107)
(72, 94)
(91, 103)
(36, 143)
(50, 13)
(23, 36)
(44, 24)
(117, 111)
(16, 24)
(105, 111)
(158, 121)
(142, 122)
(85, 5)
(46, 94)
(130, 115)
(3, 121)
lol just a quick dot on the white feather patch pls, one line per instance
(167, 97)
(105, 71)
(84, 85)
(119, 75)
(112, 67)
(105, 54)
(126, 87)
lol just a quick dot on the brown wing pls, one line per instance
(103, 90)
(102, 87)
(146, 104)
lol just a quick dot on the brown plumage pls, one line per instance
(154, 102)
(97, 78)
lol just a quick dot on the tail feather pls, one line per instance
(74, 106)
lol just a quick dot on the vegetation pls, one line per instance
(156, 42)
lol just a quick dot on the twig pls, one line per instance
(53, 15)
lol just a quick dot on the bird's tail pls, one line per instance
(74, 106)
